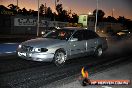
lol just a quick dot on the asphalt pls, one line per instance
(118, 72)
(113, 71)
(20, 73)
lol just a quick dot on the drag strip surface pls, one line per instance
(16, 72)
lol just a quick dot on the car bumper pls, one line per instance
(47, 57)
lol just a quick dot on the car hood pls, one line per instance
(42, 42)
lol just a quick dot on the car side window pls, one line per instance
(85, 35)
(79, 35)
(90, 34)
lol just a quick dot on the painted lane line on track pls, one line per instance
(9, 43)
(7, 48)
(8, 53)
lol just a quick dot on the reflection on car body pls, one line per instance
(61, 45)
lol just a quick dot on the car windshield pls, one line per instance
(63, 34)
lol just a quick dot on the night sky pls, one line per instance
(121, 7)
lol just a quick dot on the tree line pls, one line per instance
(64, 15)
(61, 15)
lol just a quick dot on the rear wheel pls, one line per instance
(59, 58)
(98, 52)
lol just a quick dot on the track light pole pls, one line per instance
(96, 15)
(38, 21)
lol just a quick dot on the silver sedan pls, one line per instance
(61, 45)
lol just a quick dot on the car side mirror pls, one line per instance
(73, 39)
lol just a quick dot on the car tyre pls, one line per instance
(59, 58)
(98, 52)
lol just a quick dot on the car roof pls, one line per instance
(75, 28)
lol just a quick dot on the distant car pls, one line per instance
(124, 34)
(63, 44)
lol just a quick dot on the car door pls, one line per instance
(78, 47)
(91, 42)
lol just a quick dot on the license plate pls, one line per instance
(22, 54)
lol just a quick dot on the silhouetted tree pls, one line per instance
(74, 18)
(24, 11)
(49, 13)
(125, 22)
(122, 20)
(2, 7)
(35, 13)
(30, 12)
(129, 24)
(63, 15)
(41, 10)
(13, 7)
(59, 8)
(20, 11)
(5, 11)
(110, 19)
(100, 15)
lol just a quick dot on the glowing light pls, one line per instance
(84, 73)
(89, 13)
(19, 46)
(42, 32)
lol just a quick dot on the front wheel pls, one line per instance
(98, 52)
(59, 58)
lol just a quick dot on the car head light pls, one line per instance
(37, 50)
(19, 46)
